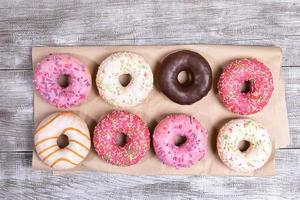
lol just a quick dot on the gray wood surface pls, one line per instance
(20, 182)
(24, 24)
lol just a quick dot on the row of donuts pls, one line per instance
(75, 130)
(246, 70)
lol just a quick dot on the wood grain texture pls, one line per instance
(16, 107)
(24, 24)
(19, 181)
(16, 110)
(292, 95)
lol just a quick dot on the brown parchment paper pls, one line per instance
(210, 111)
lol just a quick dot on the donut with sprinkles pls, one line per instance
(249, 100)
(190, 151)
(250, 159)
(124, 63)
(107, 131)
(46, 80)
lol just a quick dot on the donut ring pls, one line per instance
(239, 130)
(46, 137)
(47, 73)
(187, 154)
(107, 130)
(201, 79)
(109, 86)
(261, 86)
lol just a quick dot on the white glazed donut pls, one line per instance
(237, 130)
(109, 86)
(46, 136)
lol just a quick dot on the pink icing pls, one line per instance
(188, 153)
(47, 73)
(105, 134)
(232, 78)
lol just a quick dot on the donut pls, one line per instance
(105, 136)
(109, 86)
(46, 138)
(259, 78)
(237, 130)
(188, 153)
(48, 72)
(197, 87)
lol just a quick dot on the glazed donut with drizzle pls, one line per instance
(55, 127)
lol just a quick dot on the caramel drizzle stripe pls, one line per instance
(75, 152)
(77, 130)
(62, 159)
(46, 149)
(50, 154)
(44, 140)
(65, 130)
(79, 144)
(49, 122)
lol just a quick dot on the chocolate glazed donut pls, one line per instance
(198, 86)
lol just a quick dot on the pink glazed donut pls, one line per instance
(259, 78)
(188, 153)
(105, 138)
(47, 74)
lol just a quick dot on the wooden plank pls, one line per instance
(292, 95)
(16, 108)
(19, 181)
(24, 24)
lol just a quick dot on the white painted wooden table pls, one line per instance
(24, 24)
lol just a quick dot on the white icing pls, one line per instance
(249, 130)
(113, 67)
(62, 121)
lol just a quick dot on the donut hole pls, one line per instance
(185, 78)
(63, 80)
(121, 139)
(180, 140)
(125, 79)
(243, 145)
(246, 87)
(62, 141)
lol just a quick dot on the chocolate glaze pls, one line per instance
(189, 61)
